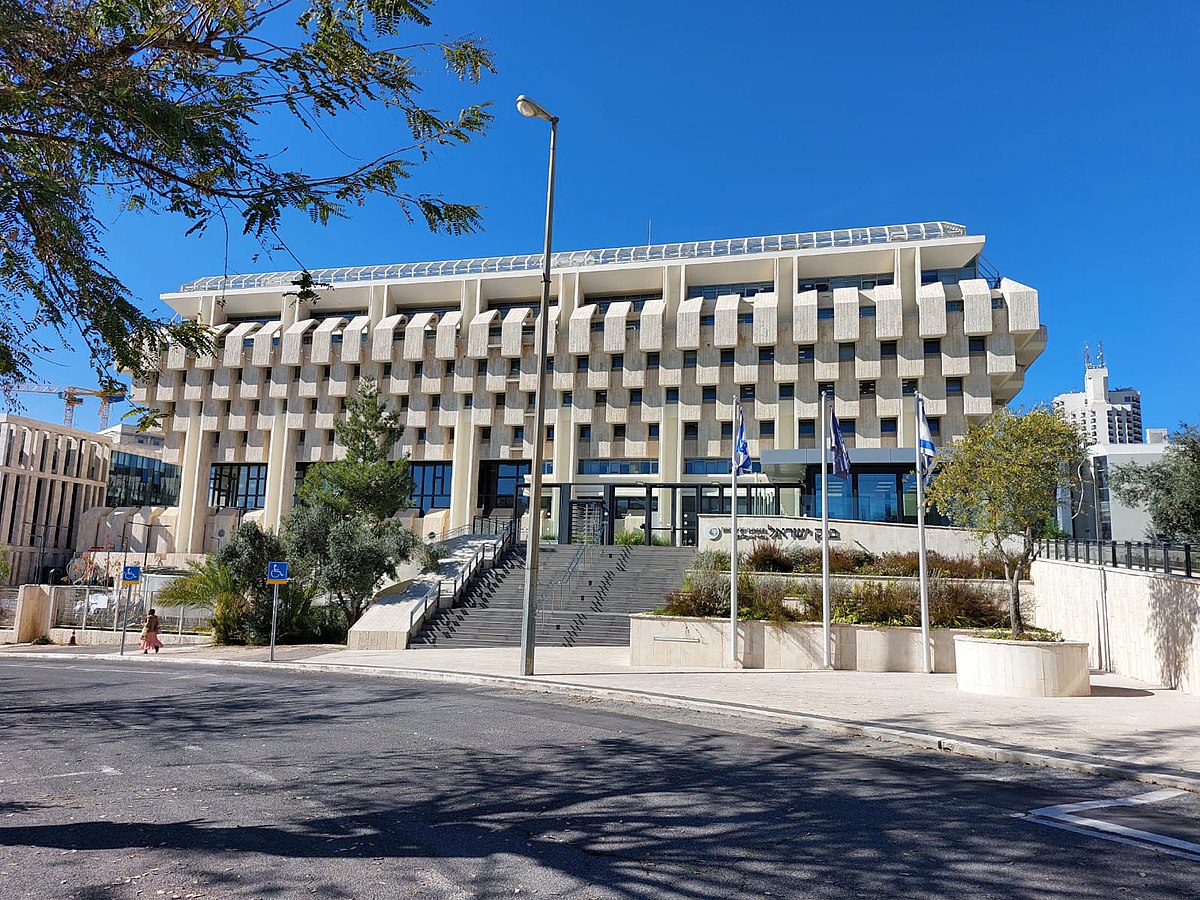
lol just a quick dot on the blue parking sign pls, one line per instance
(131, 575)
(277, 573)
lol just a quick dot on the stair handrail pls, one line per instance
(485, 556)
(545, 595)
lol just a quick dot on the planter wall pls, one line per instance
(1022, 668)
(704, 643)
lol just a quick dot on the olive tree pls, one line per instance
(1002, 479)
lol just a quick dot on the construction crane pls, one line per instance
(73, 397)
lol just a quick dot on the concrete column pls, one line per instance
(193, 486)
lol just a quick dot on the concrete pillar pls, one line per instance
(193, 486)
(33, 613)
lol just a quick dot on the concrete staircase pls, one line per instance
(607, 585)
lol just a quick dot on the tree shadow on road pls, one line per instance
(607, 805)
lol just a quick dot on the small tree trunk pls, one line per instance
(1014, 599)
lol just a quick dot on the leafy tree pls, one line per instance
(342, 528)
(157, 105)
(365, 480)
(1001, 480)
(5, 566)
(245, 557)
(1169, 488)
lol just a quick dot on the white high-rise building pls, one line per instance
(650, 348)
(1103, 416)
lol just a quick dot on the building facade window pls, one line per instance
(238, 486)
(618, 467)
(954, 387)
(431, 485)
(887, 350)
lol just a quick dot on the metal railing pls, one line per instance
(554, 596)
(1170, 559)
(446, 591)
(808, 240)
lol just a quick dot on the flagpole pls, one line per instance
(826, 612)
(733, 548)
(926, 655)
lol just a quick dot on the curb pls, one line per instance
(1095, 766)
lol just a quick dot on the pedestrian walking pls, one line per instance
(150, 633)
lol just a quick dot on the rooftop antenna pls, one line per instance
(649, 232)
(1100, 354)
(1087, 356)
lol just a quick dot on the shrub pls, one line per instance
(42, 640)
(767, 557)
(717, 560)
(629, 538)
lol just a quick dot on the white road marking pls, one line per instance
(1065, 816)
(103, 770)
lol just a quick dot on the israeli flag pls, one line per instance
(925, 448)
(741, 448)
(841, 456)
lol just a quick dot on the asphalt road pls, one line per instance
(139, 779)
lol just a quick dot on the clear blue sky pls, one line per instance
(1067, 132)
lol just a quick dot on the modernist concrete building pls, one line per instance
(650, 347)
(50, 476)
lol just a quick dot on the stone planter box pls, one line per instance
(1022, 668)
(704, 643)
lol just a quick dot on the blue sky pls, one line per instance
(1066, 132)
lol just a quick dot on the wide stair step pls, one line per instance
(607, 586)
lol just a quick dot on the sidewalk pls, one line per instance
(1125, 729)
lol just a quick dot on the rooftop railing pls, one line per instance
(573, 259)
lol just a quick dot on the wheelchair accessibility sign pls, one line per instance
(131, 575)
(277, 573)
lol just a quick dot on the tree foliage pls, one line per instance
(1169, 489)
(342, 529)
(365, 480)
(158, 105)
(245, 557)
(1001, 480)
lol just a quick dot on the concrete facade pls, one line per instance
(50, 476)
(1140, 624)
(650, 348)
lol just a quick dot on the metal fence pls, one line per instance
(99, 608)
(1170, 559)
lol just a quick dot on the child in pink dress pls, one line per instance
(150, 633)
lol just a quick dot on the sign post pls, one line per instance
(130, 575)
(277, 574)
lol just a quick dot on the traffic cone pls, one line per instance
(71, 642)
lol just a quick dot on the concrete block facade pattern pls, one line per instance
(654, 345)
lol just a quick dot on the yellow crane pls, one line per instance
(73, 397)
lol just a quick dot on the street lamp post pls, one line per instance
(531, 109)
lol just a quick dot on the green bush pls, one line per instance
(766, 557)
(42, 639)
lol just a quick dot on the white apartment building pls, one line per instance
(649, 349)
(1104, 417)
(49, 476)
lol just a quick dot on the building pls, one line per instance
(50, 475)
(650, 347)
(1110, 421)
(1104, 417)
(138, 476)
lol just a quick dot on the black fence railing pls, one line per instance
(1170, 559)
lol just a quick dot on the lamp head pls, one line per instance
(534, 110)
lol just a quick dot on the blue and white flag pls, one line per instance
(741, 448)
(841, 456)
(925, 448)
